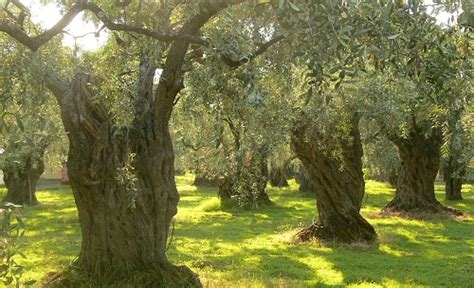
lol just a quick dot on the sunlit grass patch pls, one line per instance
(249, 248)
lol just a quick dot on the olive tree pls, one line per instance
(422, 82)
(122, 176)
(28, 124)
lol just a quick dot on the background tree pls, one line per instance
(29, 124)
(381, 160)
(421, 81)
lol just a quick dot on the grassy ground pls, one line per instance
(249, 248)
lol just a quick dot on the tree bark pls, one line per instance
(393, 177)
(340, 185)
(453, 181)
(123, 178)
(420, 160)
(21, 179)
(251, 181)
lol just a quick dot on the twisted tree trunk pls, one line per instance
(123, 178)
(340, 186)
(21, 179)
(125, 204)
(420, 159)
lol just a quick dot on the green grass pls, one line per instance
(235, 248)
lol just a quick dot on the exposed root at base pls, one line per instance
(419, 215)
(429, 211)
(317, 233)
(313, 232)
(177, 276)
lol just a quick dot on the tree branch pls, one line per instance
(35, 42)
(261, 49)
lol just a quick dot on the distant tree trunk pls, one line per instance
(225, 191)
(453, 181)
(420, 159)
(21, 179)
(253, 181)
(340, 186)
(202, 179)
(278, 176)
(303, 179)
(246, 188)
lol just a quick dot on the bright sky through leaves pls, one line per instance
(48, 15)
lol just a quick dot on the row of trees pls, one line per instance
(332, 64)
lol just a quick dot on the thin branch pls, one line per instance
(260, 50)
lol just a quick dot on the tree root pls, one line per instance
(175, 276)
(313, 232)
(421, 208)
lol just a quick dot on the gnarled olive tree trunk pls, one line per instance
(123, 178)
(125, 203)
(339, 182)
(21, 179)
(420, 160)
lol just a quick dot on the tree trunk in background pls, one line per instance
(278, 177)
(21, 180)
(340, 187)
(246, 188)
(303, 179)
(420, 159)
(202, 179)
(225, 191)
(453, 181)
(251, 181)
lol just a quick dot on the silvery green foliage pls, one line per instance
(11, 231)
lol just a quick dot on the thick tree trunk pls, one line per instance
(420, 159)
(123, 183)
(340, 186)
(453, 182)
(278, 177)
(21, 180)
